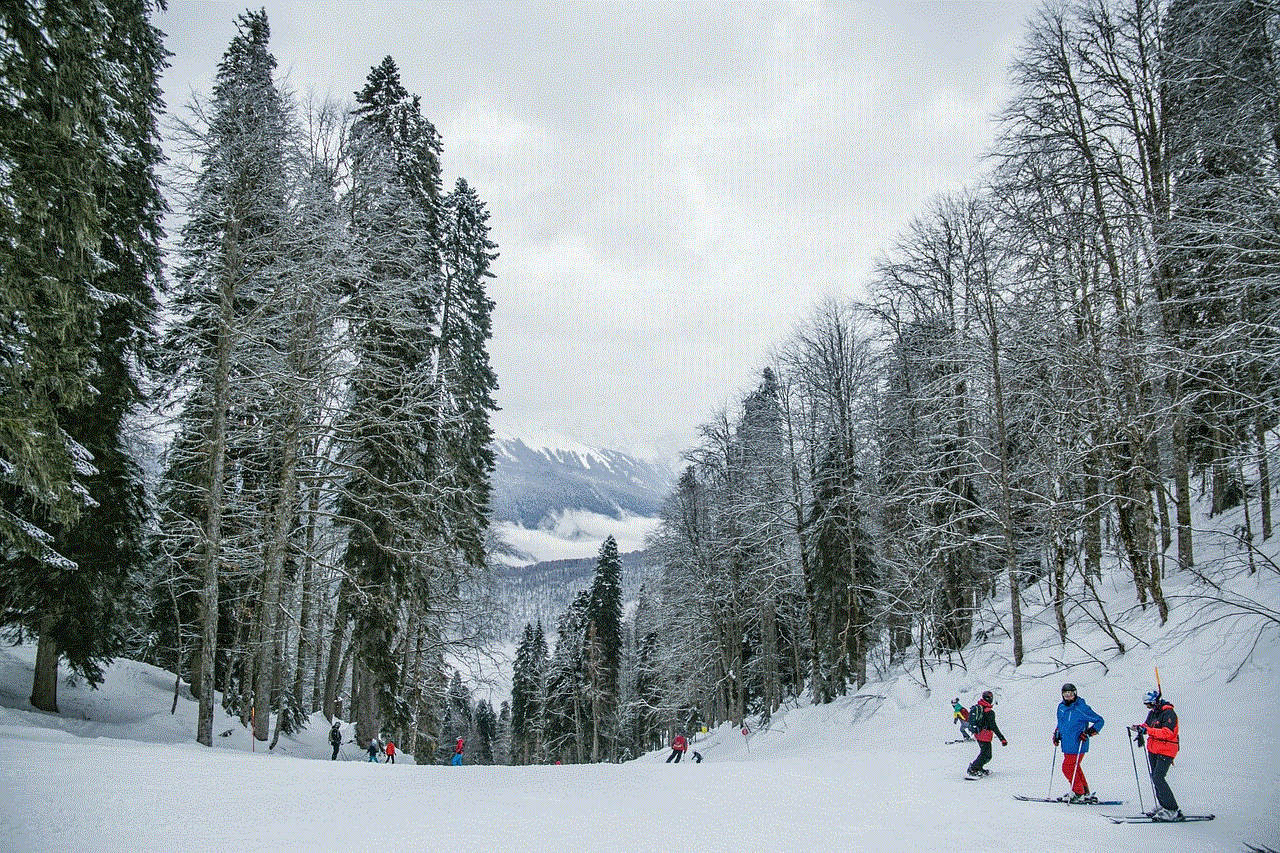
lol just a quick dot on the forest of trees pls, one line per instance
(259, 455)
(1046, 370)
(260, 459)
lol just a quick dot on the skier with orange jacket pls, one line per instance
(678, 747)
(1160, 732)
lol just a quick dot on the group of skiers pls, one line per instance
(375, 748)
(1077, 723)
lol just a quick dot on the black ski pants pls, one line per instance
(335, 751)
(1160, 765)
(984, 755)
(674, 756)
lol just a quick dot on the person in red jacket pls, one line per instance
(391, 752)
(457, 753)
(1161, 734)
(986, 729)
(678, 746)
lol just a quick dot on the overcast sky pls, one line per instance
(671, 185)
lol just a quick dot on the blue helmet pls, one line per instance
(1153, 696)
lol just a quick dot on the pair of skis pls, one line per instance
(1146, 818)
(1114, 818)
(1068, 802)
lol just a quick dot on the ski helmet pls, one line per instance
(1068, 686)
(1153, 696)
(988, 695)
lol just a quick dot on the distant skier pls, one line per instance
(373, 750)
(678, 746)
(456, 761)
(391, 752)
(960, 714)
(1161, 734)
(697, 757)
(335, 738)
(1077, 722)
(986, 728)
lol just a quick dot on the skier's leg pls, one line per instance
(1164, 794)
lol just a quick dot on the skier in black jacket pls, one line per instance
(335, 738)
(986, 729)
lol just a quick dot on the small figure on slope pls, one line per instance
(1161, 734)
(960, 714)
(391, 752)
(1077, 722)
(373, 749)
(678, 746)
(986, 729)
(456, 761)
(335, 739)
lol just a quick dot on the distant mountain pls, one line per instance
(541, 475)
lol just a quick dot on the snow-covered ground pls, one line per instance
(115, 771)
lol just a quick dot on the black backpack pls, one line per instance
(975, 714)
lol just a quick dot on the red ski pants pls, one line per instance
(1071, 769)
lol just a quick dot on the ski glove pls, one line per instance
(1057, 739)
(1004, 742)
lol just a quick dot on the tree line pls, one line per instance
(1046, 369)
(262, 459)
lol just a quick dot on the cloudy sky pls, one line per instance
(671, 185)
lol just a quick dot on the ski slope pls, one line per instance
(115, 771)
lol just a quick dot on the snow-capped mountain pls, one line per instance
(541, 476)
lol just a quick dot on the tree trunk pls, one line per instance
(1264, 479)
(336, 643)
(44, 683)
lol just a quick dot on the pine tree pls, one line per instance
(604, 646)
(102, 103)
(395, 539)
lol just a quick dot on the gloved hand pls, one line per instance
(1141, 727)
(1004, 742)
(1090, 732)
(1057, 739)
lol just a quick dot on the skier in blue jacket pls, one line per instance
(1077, 722)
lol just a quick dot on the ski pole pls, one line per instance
(1136, 780)
(1053, 763)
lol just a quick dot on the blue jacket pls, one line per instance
(1073, 719)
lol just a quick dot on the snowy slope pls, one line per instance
(116, 772)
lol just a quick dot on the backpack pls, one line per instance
(964, 714)
(975, 711)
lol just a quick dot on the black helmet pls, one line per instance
(1068, 686)
(988, 695)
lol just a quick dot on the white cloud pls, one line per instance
(577, 534)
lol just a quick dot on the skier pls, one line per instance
(986, 729)
(373, 750)
(678, 746)
(960, 714)
(1161, 734)
(457, 753)
(1077, 722)
(335, 738)
(391, 752)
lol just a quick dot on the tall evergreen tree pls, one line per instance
(395, 538)
(79, 151)
(604, 646)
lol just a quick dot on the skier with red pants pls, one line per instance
(986, 728)
(1077, 722)
(678, 746)
(1161, 734)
